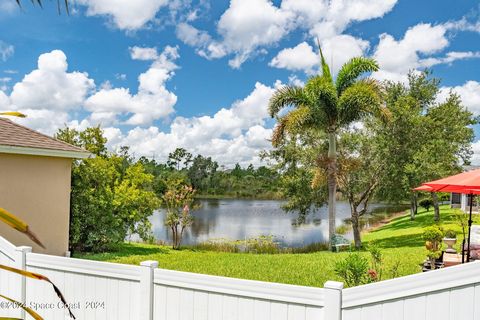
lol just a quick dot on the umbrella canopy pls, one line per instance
(465, 182)
(424, 188)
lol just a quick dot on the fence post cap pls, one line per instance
(333, 285)
(23, 249)
(149, 263)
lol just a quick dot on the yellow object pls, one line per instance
(18, 224)
(13, 114)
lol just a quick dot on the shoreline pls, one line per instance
(377, 225)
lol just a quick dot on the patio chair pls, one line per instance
(339, 242)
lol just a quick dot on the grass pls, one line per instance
(400, 241)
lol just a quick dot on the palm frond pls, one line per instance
(322, 92)
(19, 225)
(38, 276)
(286, 96)
(32, 313)
(292, 123)
(361, 99)
(325, 68)
(353, 69)
(13, 114)
(39, 2)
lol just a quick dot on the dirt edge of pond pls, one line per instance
(377, 225)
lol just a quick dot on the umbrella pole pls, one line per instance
(469, 227)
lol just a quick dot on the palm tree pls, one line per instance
(328, 105)
(39, 2)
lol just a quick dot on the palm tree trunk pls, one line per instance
(332, 183)
(436, 209)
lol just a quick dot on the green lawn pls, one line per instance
(400, 241)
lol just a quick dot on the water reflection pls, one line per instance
(243, 219)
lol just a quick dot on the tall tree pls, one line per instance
(425, 140)
(360, 171)
(328, 105)
(179, 159)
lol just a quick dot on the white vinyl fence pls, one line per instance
(101, 290)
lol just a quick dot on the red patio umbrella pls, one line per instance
(466, 183)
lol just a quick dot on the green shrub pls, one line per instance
(433, 234)
(426, 203)
(353, 270)
(450, 234)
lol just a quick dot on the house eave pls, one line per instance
(45, 152)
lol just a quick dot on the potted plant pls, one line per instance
(450, 240)
(433, 241)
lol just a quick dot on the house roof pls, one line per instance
(15, 138)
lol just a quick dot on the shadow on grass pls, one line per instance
(410, 240)
(124, 250)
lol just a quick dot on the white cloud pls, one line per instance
(235, 134)
(125, 14)
(464, 25)
(397, 57)
(449, 58)
(192, 36)
(337, 50)
(297, 58)
(4, 101)
(7, 6)
(6, 50)
(249, 24)
(340, 49)
(146, 54)
(327, 19)
(248, 27)
(51, 86)
(469, 92)
(152, 101)
(476, 153)
(44, 120)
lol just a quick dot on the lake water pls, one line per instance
(242, 219)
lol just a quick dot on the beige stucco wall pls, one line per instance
(37, 189)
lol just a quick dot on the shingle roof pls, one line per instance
(15, 135)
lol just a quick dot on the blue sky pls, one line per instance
(158, 74)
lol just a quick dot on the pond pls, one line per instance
(237, 219)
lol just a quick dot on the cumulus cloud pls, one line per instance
(6, 50)
(416, 50)
(297, 58)
(142, 53)
(152, 101)
(4, 101)
(125, 14)
(249, 27)
(476, 153)
(51, 86)
(53, 97)
(469, 92)
(337, 50)
(231, 135)
(326, 19)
